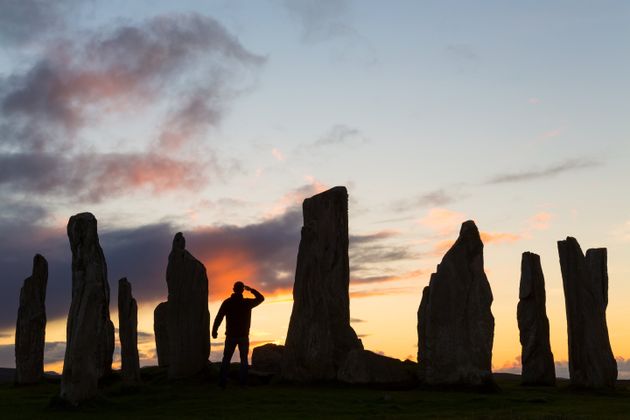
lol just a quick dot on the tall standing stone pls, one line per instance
(585, 281)
(320, 337)
(188, 318)
(160, 330)
(455, 323)
(128, 332)
(536, 356)
(30, 331)
(90, 332)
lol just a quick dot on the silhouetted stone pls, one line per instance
(30, 331)
(455, 323)
(188, 319)
(366, 367)
(160, 329)
(585, 281)
(320, 336)
(90, 333)
(128, 333)
(536, 356)
(267, 358)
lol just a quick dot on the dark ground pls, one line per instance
(159, 398)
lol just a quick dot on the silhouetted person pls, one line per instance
(238, 313)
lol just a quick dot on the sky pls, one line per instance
(217, 118)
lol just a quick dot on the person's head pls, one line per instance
(239, 287)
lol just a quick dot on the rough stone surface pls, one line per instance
(90, 332)
(536, 356)
(320, 336)
(188, 318)
(128, 332)
(365, 367)
(267, 358)
(30, 331)
(160, 329)
(585, 281)
(455, 323)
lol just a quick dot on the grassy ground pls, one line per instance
(158, 398)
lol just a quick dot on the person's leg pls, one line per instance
(243, 349)
(228, 351)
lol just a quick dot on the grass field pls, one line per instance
(159, 398)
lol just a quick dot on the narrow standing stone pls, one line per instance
(90, 332)
(585, 281)
(30, 331)
(536, 356)
(320, 337)
(128, 333)
(188, 318)
(455, 323)
(160, 329)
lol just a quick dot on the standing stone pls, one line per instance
(455, 324)
(90, 333)
(585, 281)
(30, 331)
(320, 336)
(188, 318)
(536, 356)
(160, 329)
(128, 333)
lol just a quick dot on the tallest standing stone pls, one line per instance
(90, 333)
(320, 336)
(585, 281)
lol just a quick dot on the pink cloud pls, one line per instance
(443, 221)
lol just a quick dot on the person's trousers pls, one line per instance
(228, 351)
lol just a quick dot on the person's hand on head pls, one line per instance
(247, 288)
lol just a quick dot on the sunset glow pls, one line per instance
(217, 119)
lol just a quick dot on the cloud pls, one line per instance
(98, 176)
(387, 278)
(183, 69)
(543, 173)
(540, 221)
(263, 254)
(277, 154)
(499, 237)
(443, 221)
(54, 352)
(340, 134)
(435, 198)
(556, 132)
(462, 51)
(387, 291)
(320, 20)
(22, 21)
(371, 237)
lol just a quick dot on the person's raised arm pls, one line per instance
(217, 321)
(258, 297)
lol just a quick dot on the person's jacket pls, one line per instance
(238, 313)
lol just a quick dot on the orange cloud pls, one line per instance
(499, 237)
(357, 294)
(277, 154)
(443, 221)
(540, 221)
(227, 268)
